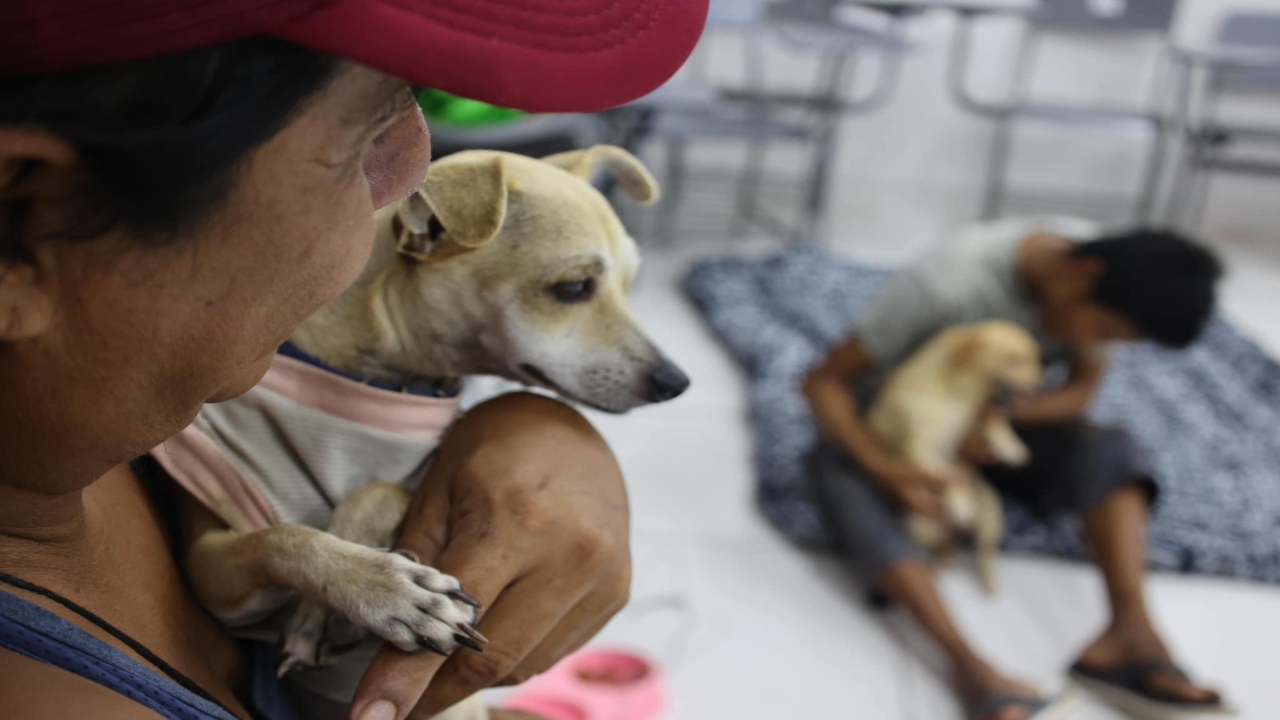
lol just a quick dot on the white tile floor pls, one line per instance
(750, 628)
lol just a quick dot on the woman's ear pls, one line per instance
(34, 164)
(37, 171)
(26, 305)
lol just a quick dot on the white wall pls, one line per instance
(923, 137)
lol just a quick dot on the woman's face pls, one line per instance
(141, 337)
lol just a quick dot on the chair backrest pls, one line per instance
(822, 26)
(735, 13)
(1250, 30)
(1258, 30)
(1106, 16)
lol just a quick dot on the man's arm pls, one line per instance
(1067, 403)
(834, 408)
(838, 417)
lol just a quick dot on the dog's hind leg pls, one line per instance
(316, 635)
(987, 533)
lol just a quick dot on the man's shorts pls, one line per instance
(1074, 467)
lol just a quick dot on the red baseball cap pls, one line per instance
(537, 55)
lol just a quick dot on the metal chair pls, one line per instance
(693, 108)
(1100, 19)
(1245, 60)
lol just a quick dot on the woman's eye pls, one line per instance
(574, 291)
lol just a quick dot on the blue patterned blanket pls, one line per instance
(1209, 416)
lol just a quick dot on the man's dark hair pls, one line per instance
(160, 139)
(1162, 282)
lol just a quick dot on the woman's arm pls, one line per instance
(524, 504)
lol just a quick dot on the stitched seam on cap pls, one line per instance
(468, 25)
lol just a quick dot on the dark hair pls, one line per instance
(160, 139)
(1162, 282)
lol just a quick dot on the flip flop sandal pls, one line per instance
(1052, 708)
(1127, 689)
(594, 685)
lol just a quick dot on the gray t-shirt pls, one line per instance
(971, 279)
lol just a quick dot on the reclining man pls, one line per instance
(1075, 296)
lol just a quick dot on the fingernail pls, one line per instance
(380, 710)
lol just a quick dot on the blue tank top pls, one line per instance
(31, 631)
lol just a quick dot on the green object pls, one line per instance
(442, 107)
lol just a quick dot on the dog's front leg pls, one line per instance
(315, 635)
(1004, 442)
(408, 604)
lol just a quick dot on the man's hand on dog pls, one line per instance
(976, 449)
(917, 489)
(525, 505)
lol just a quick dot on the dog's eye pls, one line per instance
(574, 291)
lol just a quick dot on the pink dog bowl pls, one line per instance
(594, 685)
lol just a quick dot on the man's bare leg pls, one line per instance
(1116, 531)
(911, 584)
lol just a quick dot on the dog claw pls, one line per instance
(411, 555)
(427, 643)
(473, 633)
(461, 596)
(467, 642)
(288, 665)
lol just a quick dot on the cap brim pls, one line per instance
(535, 55)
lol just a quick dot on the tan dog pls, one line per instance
(929, 406)
(501, 265)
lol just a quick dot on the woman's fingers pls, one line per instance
(536, 611)
(576, 629)
(400, 679)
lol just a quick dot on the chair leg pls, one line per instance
(997, 168)
(674, 190)
(1152, 175)
(1198, 201)
(748, 188)
(819, 185)
(1182, 185)
(842, 68)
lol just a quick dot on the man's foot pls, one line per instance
(1137, 642)
(978, 682)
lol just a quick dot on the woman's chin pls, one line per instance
(245, 381)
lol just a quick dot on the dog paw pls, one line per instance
(413, 606)
(1012, 453)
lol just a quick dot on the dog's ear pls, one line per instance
(631, 174)
(416, 228)
(460, 207)
(967, 351)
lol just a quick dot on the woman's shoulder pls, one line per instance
(33, 689)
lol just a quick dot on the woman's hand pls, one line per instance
(524, 504)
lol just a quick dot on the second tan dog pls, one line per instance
(929, 406)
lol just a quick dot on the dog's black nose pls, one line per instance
(666, 382)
